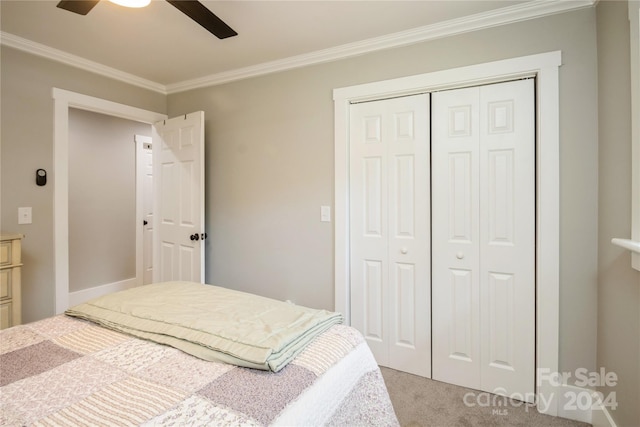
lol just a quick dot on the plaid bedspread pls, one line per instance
(65, 371)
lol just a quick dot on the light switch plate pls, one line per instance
(325, 213)
(24, 215)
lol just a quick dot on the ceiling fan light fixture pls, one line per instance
(195, 10)
(131, 3)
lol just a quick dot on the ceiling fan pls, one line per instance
(192, 8)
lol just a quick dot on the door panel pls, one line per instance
(178, 164)
(455, 229)
(374, 297)
(461, 315)
(372, 193)
(501, 201)
(483, 154)
(369, 219)
(460, 197)
(147, 215)
(390, 222)
(144, 209)
(507, 268)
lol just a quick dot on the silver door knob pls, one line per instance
(460, 255)
(404, 250)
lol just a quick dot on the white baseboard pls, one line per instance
(85, 295)
(583, 404)
(602, 418)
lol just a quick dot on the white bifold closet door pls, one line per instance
(483, 237)
(390, 223)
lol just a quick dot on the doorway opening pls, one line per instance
(63, 101)
(103, 223)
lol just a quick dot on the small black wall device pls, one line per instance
(41, 177)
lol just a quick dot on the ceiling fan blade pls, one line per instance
(81, 7)
(203, 16)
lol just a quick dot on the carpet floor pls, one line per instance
(421, 402)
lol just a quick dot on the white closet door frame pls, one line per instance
(544, 67)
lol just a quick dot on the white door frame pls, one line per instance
(63, 100)
(545, 68)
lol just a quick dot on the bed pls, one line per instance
(68, 370)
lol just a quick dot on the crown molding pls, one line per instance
(16, 42)
(502, 16)
(507, 15)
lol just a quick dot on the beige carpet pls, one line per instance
(423, 402)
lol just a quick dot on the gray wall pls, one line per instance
(102, 198)
(26, 138)
(619, 284)
(270, 166)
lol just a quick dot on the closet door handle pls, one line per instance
(404, 251)
(194, 236)
(460, 255)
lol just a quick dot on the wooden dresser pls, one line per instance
(10, 272)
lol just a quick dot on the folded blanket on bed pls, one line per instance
(211, 322)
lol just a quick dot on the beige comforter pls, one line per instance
(211, 322)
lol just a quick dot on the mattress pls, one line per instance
(68, 371)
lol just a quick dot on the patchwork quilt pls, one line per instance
(64, 371)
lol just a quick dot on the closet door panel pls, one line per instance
(409, 239)
(483, 286)
(455, 230)
(373, 298)
(507, 207)
(390, 230)
(369, 229)
(461, 312)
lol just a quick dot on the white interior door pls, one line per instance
(390, 221)
(483, 237)
(147, 215)
(178, 170)
(144, 197)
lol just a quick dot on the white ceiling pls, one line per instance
(161, 45)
